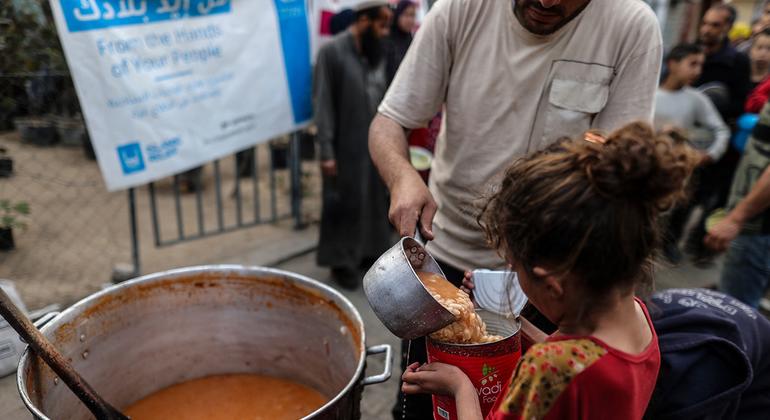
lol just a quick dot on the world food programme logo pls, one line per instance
(131, 158)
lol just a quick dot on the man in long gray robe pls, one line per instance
(349, 83)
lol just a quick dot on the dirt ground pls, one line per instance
(78, 232)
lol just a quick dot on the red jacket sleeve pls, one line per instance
(758, 97)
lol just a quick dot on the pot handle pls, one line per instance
(40, 323)
(418, 236)
(385, 375)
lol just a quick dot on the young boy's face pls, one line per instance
(688, 69)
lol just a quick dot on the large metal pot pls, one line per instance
(138, 337)
(397, 295)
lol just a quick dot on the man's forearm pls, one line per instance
(412, 206)
(389, 149)
(755, 202)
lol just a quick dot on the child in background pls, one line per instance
(578, 222)
(678, 105)
(760, 58)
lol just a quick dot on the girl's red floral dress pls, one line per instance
(570, 377)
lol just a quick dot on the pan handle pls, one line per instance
(385, 375)
(40, 322)
(418, 236)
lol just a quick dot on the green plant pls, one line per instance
(30, 42)
(35, 78)
(11, 214)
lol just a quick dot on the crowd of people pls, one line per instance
(565, 156)
(707, 87)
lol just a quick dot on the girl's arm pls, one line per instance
(443, 379)
(467, 402)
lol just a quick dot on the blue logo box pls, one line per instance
(131, 159)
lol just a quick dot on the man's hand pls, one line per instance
(433, 378)
(329, 167)
(724, 232)
(411, 202)
(755, 202)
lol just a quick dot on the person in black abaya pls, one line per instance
(402, 27)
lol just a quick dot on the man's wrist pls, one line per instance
(402, 173)
(738, 216)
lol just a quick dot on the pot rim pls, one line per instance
(82, 304)
(513, 334)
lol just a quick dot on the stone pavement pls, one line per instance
(377, 399)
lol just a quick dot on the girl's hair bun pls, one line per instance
(590, 208)
(636, 165)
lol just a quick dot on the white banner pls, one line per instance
(167, 85)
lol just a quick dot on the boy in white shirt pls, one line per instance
(679, 105)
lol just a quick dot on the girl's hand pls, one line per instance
(434, 378)
(468, 285)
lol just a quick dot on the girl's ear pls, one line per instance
(553, 283)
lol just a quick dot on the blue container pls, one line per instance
(746, 123)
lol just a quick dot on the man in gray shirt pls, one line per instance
(512, 76)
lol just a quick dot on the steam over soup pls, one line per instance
(228, 397)
(468, 327)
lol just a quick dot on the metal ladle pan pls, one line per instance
(397, 295)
